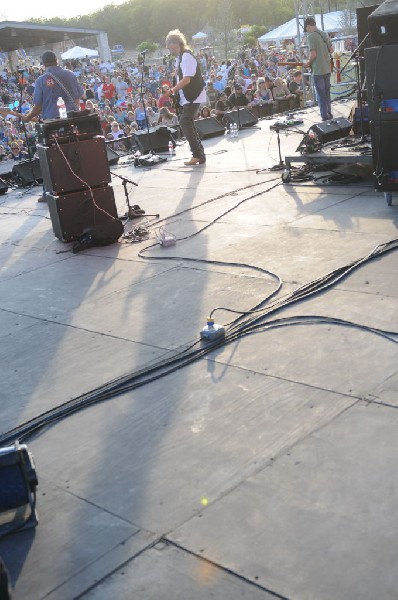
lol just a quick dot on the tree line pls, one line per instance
(137, 21)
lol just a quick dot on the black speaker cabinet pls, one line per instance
(360, 125)
(328, 131)
(112, 155)
(261, 110)
(209, 127)
(3, 187)
(383, 23)
(363, 13)
(158, 139)
(72, 213)
(27, 172)
(244, 119)
(381, 83)
(74, 166)
(384, 136)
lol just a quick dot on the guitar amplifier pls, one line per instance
(74, 165)
(328, 131)
(72, 213)
(80, 126)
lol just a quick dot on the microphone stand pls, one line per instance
(143, 55)
(132, 211)
(356, 57)
(30, 159)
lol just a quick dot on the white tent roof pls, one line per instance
(199, 36)
(78, 52)
(331, 22)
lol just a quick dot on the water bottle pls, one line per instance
(212, 331)
(171, 147)
(61, 108)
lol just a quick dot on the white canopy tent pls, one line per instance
(332, 22)
(199, 36)
(79, 52)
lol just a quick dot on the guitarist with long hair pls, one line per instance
(189, 87)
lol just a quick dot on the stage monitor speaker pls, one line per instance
(112, 156)
(74, 166)
(158, 139)
(328, 131)
(3, 187)
(244, 119)
(72, 213)
(384, 135)
(27, 172)
(383, 23)
(382, 85)
(209, 127)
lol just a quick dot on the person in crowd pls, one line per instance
(3, 153)
(121, 88)
(165, 99)
(205, 112)
(211, 94)
(191, 89)
(296, 88)
(108, 91)
(219, 84)
(140, 118)
(167, 118)
(320, 48)
(16, 152)
(221, 107)
(265, 93)
(238, 98)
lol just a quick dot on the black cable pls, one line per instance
(188, 354)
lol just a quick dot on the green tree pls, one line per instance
(224, 24)
(149, 46)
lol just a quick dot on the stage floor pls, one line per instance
(265, 468)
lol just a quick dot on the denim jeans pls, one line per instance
(189, 130)
(322, 87)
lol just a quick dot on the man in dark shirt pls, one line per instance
(238, 98)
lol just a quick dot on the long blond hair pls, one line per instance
(176, 37)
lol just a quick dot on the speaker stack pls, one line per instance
(75, 168)
(382, 85)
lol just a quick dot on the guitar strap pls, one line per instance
(331, 57)
(65, 89)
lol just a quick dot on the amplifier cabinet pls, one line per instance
(68, 167)
(72, 213)
(381, 84)
(384, 135)
(79, 126)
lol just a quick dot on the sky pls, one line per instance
(21, 10)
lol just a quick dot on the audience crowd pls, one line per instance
(264, 82)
